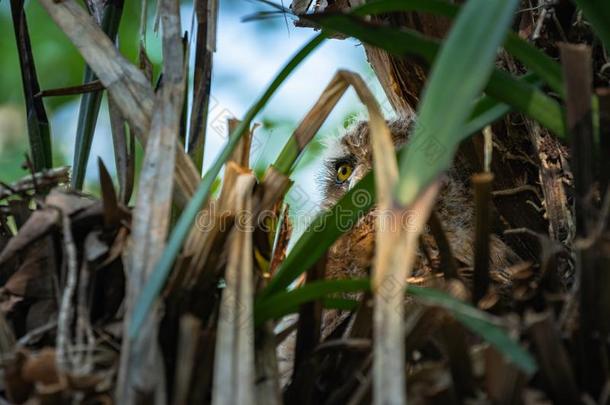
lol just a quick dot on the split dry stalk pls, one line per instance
(234, 373)
(141, 368)
(126, 84)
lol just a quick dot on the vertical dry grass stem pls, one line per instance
(577, 69)
(394, 259)
(200, 241)
(234, 357)
(205, 45)
(603, 96)
(394, 255)
(188, 339)
(310, 318)
(267, 375)
(447, 264)
(151, 215)
(482, 183)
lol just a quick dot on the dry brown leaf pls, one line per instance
(68, 203)
(40, 223)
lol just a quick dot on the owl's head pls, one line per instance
(351, 157)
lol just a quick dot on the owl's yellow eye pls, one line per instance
(344, 170)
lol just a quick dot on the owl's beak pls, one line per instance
(359, 172)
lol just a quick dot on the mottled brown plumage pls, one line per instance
(352, 254)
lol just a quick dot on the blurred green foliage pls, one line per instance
(58, 64)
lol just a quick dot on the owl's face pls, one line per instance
(351, 157)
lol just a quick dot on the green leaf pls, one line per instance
(525, 98)
(488, 110)
(399, 42)
(502, 86)
(479, 322)
(163, 267)
(342, 304)
(437, 7)
(87, 119)
(39, 133)
(458, 76)
(287, 302)
(91, 102)
(597, 13)
(533, 58)
(537, 61)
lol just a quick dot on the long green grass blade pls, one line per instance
(597, 13)
(91, 102)
(533, 58)
(527, 99)
(501, 86)
(458, 76)
(400, 42)
(287, 157)
(182, 228)
(437, 7)
(87, 119)
(479, 322)
(488, 110)
(536, 61)
(39, 133)
(287, 302)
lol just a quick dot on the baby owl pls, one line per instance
(350, 158)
